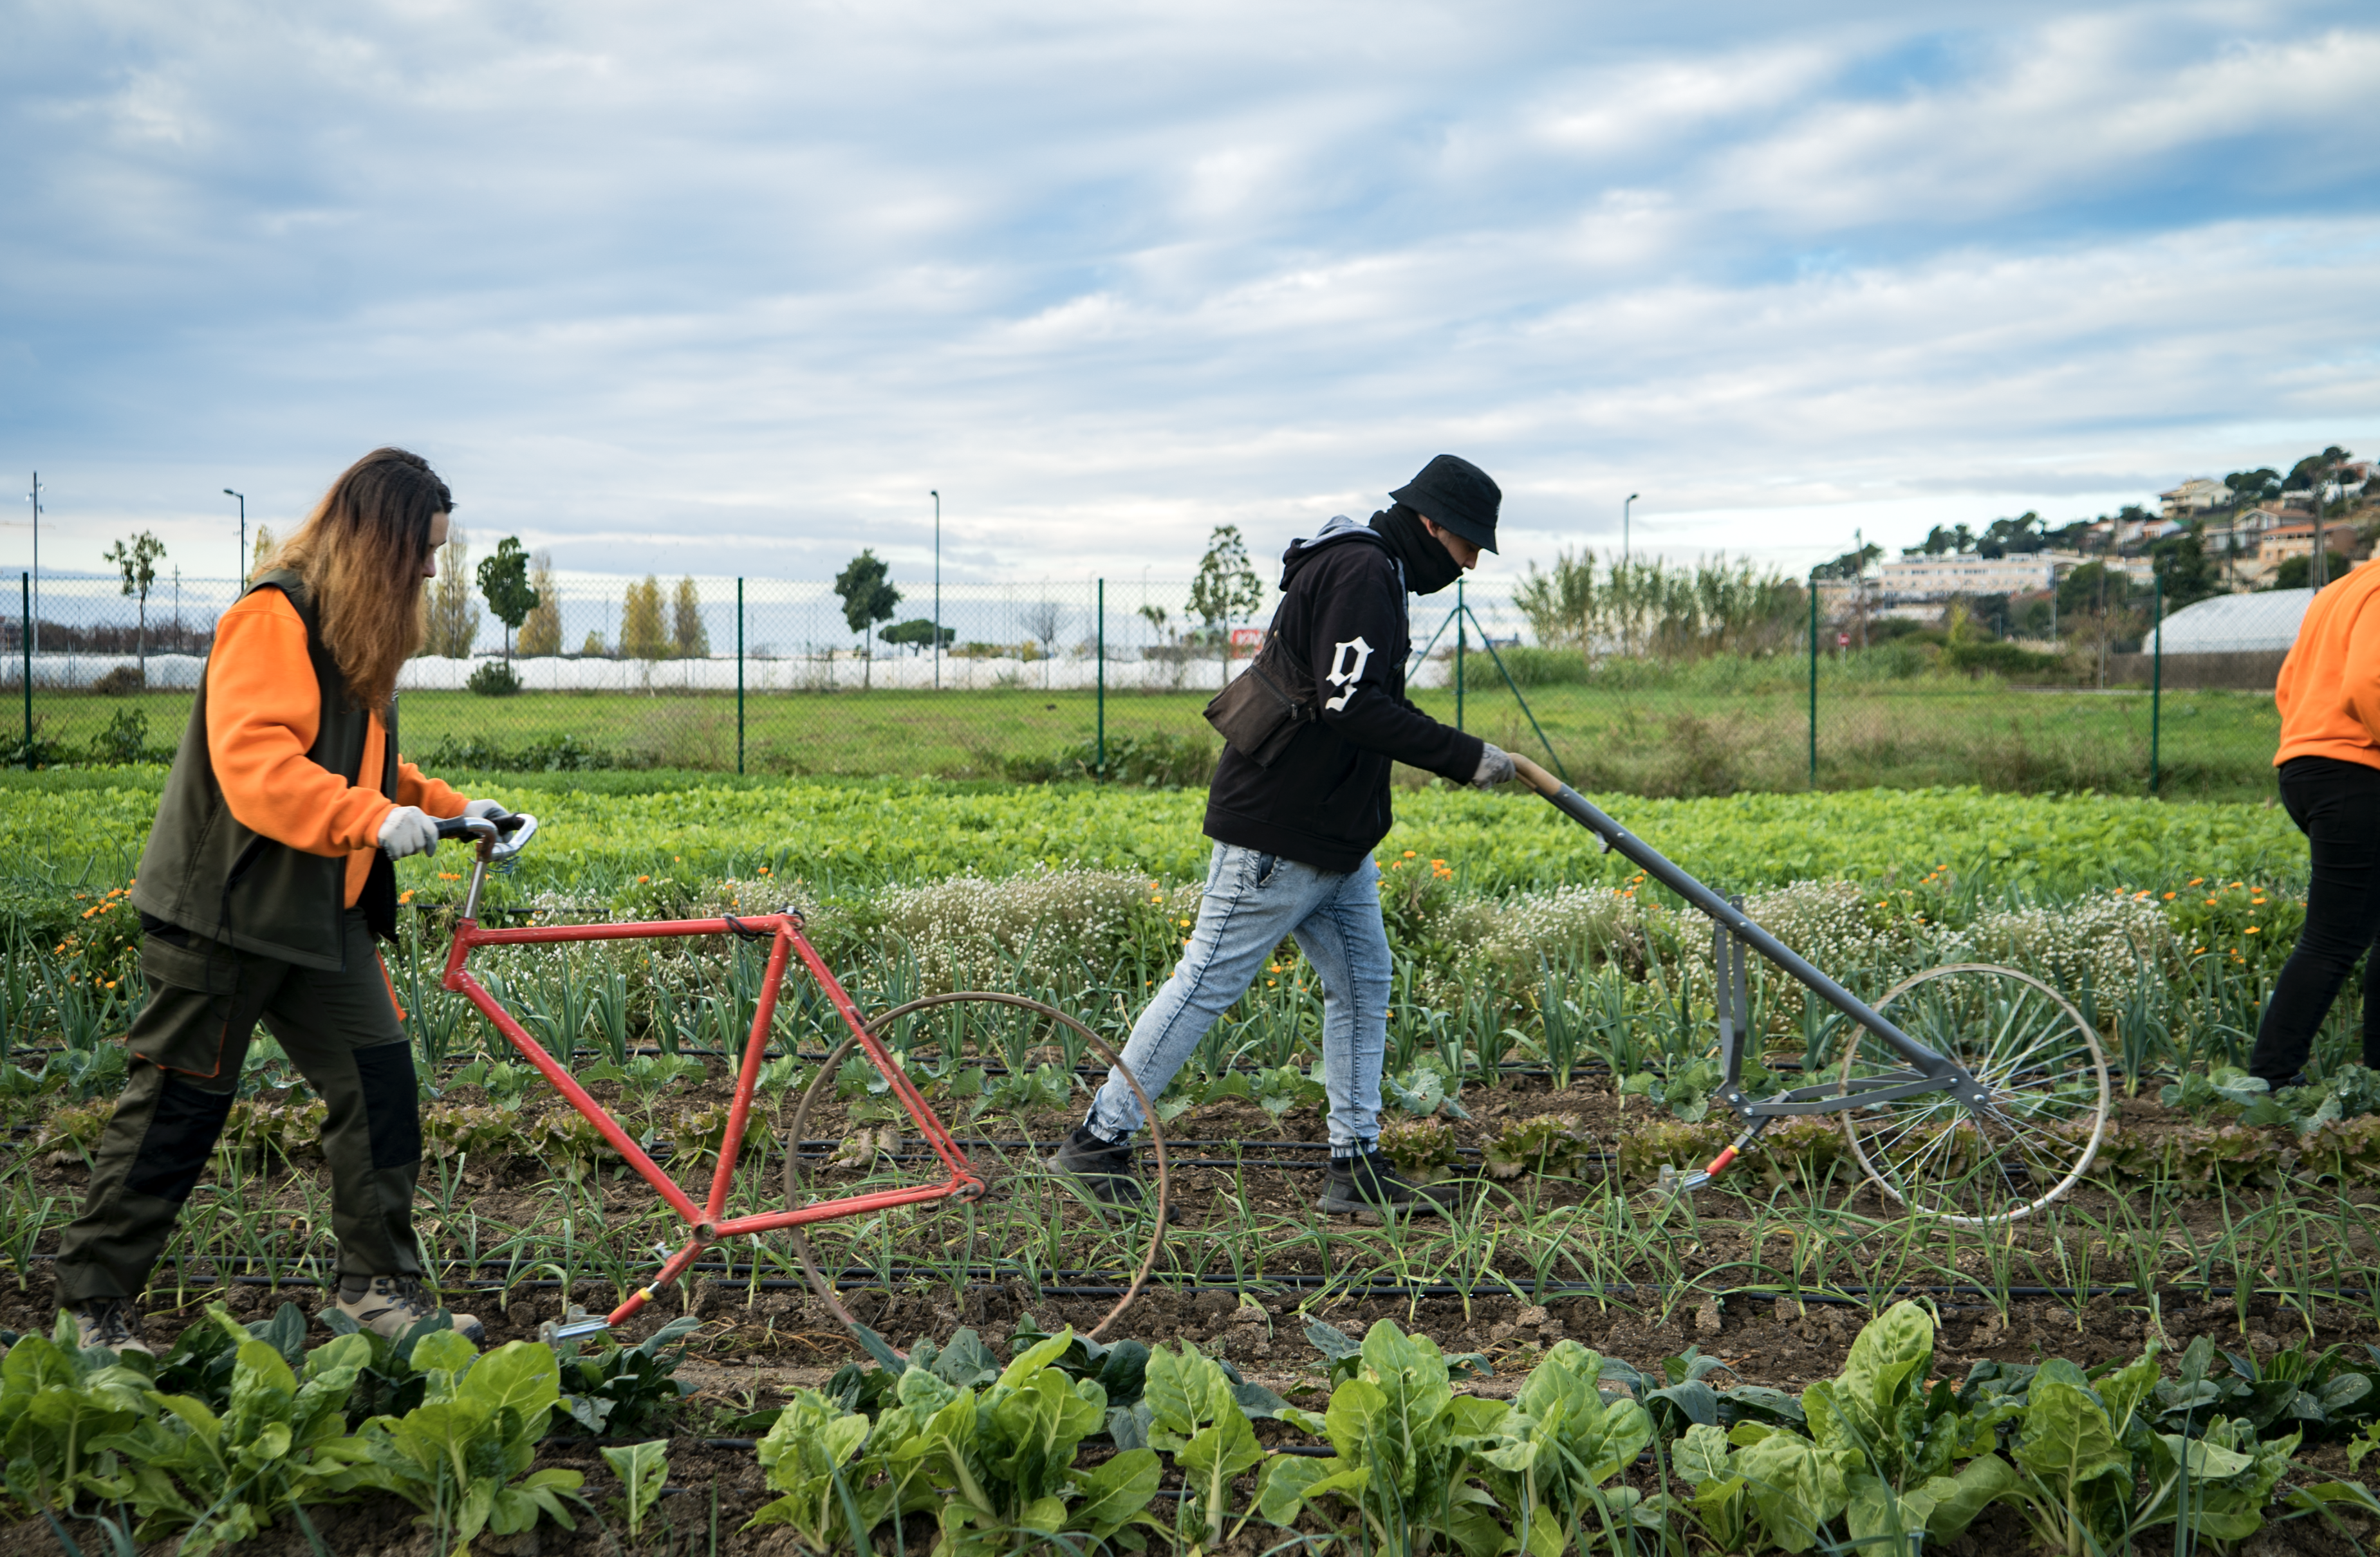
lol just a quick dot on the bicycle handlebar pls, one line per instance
(498, 838)
(484, 827)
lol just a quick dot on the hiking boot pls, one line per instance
(112, 1322)
(392, 1306)
(1104, 1168)
(1370, 1187)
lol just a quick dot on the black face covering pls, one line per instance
(1429, 567)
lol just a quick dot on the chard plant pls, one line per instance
(994, 1461)
(463, 1455)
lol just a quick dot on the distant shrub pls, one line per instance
(1527, 667)
(2004, 659)
(495, 679)
(122, 681)
(551, 754)
(1154, 761)
(126, 739)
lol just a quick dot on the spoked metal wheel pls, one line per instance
(2048, 1084)
(948, 1035)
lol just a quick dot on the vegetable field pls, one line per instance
(2176, 1357)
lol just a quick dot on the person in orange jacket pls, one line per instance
(2329, 760)
(264, 884)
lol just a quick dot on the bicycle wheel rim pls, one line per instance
(2050, 1097)
(825, 1290)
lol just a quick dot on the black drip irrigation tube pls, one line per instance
(1099, 1284)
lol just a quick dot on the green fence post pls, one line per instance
(1498, 659)
(1458, 654)
(1813, 678)
(1101, 636)
(739, 675)
(2156, 684)
(25, 642)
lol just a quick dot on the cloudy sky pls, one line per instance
(727, 287)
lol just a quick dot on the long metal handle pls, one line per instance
(1621, 840)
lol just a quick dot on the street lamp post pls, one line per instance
(33, 611)
(937, 496)
(243, 536)
(1623, 525)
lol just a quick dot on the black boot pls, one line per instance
(1370, 1187)
(1104, 1168)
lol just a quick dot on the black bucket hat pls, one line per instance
(1457, 495)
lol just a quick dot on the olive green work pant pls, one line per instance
(342, 1031)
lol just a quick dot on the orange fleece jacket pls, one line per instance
(264, 711)
(2329, 685)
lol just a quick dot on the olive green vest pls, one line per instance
(205, 872)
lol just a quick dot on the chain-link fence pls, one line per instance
(1106, 678)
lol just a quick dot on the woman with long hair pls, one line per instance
(265, 881)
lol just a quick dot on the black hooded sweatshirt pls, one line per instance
(1325, 801)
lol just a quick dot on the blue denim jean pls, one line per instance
(1253, 902)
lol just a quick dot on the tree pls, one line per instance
(640, 621)
(1226, 585)
(867, 598)
(2254, 485)
(2020, 535)
(2096, 603)
(1559, 604)
(1045, 620)
(266, 545)
(2190, 574)
(449, 618)
(687, 634)
(503, 581)
(2068, 537)
(138, 562)
(1851, 565)
(540, 630)
(593, 648)
(916, 633)
(2310, 473)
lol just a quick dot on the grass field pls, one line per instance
(1688, 736)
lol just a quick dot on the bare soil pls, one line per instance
(1234, 1206)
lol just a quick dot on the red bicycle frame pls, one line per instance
(708, 1222)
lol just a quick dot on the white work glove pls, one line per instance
(487, 810)
(1494, 767)
(407, 830)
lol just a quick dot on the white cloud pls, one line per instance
(732, 285)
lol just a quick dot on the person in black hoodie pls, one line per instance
(1294, 839)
